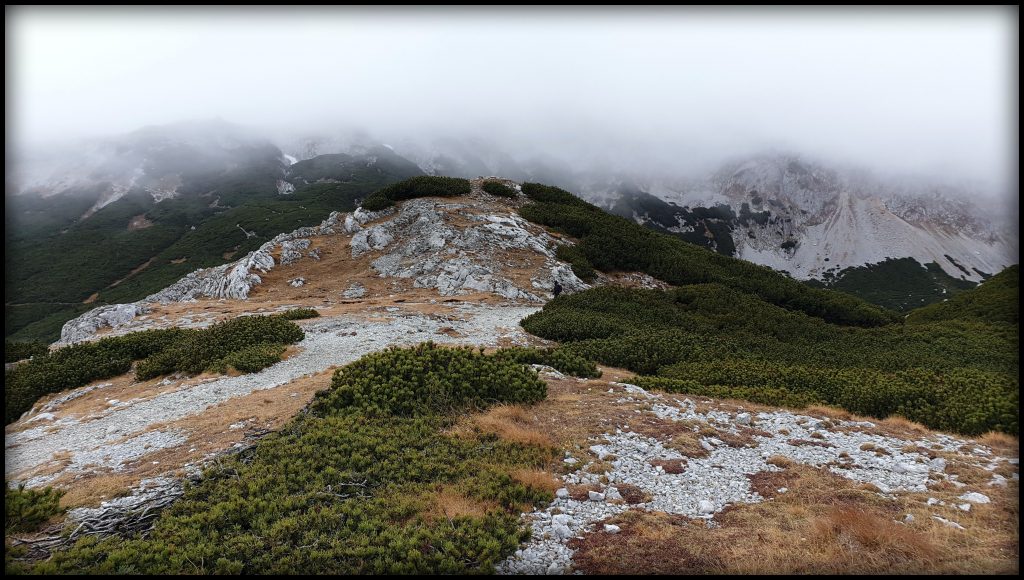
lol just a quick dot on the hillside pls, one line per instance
(674, 410)
(68, 252)
(114, 220)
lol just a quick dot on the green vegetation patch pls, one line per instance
(299, 314)
(560, 359)
(498, 188)
(428, 380)
(421, 186)
(581, 266)
(28, 509)
(901, 284)
(954, 369)
(253, 358)
(995, 301)
(368, 481)
(16, 351)
(159, 352)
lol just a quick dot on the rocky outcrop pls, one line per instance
(420, 243)
(86, 325)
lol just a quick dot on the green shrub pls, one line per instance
(198, 350)
(994, 301)
(299, 314)
(420, 186)
(159, 352)
(16, 351)
(354, 486)
(425, 380)
(254, 358)
(580, 265)
(499, 189)
(712, 340)
(558, 358)
(27, 509)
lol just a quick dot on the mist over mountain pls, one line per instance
(808, 216)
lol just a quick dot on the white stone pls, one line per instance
(948, 522)
(595, 496)
(975, 497)
(561, 531)
(905, 468)
(743, 418)
(562, 493)
(612, 528)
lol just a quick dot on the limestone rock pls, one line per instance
(86, 325)
(355, 290)
(975, 497)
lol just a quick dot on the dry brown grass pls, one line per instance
(809, 443)
(878, 450)
(676, 435)
(768, 483)
(448, 503)
(898, 426)
(824, 411)
(632, 494)
(96, 489)
(822, 525)
(582, 492)
(1006, 445)
(599, 467)
(509, 422)
(673, 466)
(537, 479)
(780, 461)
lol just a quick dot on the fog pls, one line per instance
(911, 91)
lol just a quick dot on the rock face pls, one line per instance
(809, 219)
(420, 243)
(87, 324)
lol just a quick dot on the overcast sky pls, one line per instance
(930, 90)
